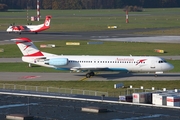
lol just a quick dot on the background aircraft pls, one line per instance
(30, 28)
(90, 63)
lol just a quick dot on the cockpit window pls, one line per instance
(162, 61)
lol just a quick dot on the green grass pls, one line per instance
(95, 20)
(107, 48)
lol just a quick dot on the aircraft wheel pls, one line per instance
(88, 75)
(20, 33)
(36, 32)
(92, 73)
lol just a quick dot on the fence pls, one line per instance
(52, 90)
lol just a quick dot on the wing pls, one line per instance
(78, 69)
(24, 28)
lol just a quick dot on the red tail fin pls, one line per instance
(47, 21)
(44, 26)
(27, 47)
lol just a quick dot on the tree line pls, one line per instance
(3, 7)
(89, 4)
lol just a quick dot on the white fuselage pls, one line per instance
(26, 28)
(106, 63)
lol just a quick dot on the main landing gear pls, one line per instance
(89, 74)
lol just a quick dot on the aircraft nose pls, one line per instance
(170, 66)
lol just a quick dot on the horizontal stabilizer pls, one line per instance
(20, 40)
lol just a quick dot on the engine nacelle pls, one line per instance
(56, 61)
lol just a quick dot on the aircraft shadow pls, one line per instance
(133, 76)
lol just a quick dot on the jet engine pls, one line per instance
(56, 61)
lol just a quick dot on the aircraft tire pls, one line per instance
(88, 75)
(92, 73)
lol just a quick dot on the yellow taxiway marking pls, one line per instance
(86, 77)
(83, 79)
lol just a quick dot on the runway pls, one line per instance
(108, 35)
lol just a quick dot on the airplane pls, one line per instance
(90, 64)
(30, 28)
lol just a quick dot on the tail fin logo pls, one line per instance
(27, 47)
(47, 22)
